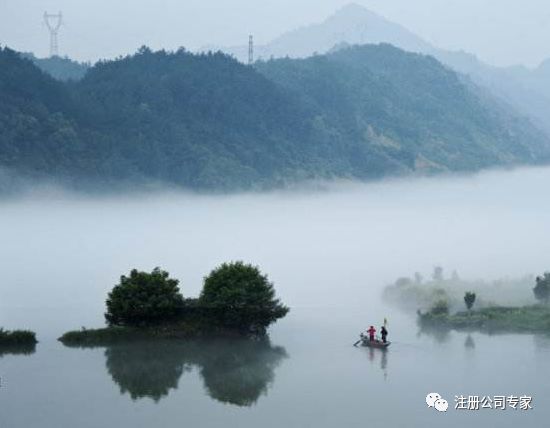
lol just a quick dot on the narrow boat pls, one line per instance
(374, 344)
(365, 341)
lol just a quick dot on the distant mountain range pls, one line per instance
(208, 122)
(528, 91)
(353, 24)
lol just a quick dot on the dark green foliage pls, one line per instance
(143, 299)
(87, 337)
(236, 300)
(469, 299)
(441, 307)
(17, 338)
(237, 295)
(208, 122)
(542, 288)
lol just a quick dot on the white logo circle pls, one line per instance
(431, 398)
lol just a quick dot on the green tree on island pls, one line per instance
(469, 299)
(144, 298)
(237, 299)
(239, 296)
(542, 288)
(441, 307)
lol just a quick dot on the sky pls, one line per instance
(500, 32)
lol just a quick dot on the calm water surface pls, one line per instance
(329, 254)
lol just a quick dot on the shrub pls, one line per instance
(144, 298)
(441, 307)
(17, 337)
(237, 295)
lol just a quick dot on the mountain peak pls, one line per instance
(354, 12)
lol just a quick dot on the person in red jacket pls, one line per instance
(371, 331)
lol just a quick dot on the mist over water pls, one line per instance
(327, 247)
(329, 252)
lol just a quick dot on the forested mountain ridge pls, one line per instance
(60, 68)
(37, 133)
(209, 122)
(526, 90)
(423, 113)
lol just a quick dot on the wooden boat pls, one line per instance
(375, 343)
(365, 341)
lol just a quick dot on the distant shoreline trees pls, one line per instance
(542, 288)
(469, 299)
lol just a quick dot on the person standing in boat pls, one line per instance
(371, 331)
(383, 333)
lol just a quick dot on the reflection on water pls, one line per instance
(379, 356)
(439, 334)
(236, 371)
(146, 369)
(542, 341)
(26, 349)
(469, 342)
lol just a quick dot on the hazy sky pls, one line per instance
(501, 32)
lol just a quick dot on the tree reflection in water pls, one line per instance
(439, 334)
(146, 369)
(469, 342)
(239, 372)
(26, 349)
(236, 371)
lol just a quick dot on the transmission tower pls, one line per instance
(250, 50)
(53, 22)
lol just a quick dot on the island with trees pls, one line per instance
(500, 306)
(17, 342)
(237, 299)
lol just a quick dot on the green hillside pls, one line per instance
(207, 122)
(409, 105)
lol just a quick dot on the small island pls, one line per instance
(237, 299)
(490, 317)
(513, 319)
(17, 342)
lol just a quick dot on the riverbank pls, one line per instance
(524, 319)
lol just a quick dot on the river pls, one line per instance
(329, 252)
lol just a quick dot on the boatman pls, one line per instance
(371, 331)
(383, 333)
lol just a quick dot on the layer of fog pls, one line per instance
(336, 247)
